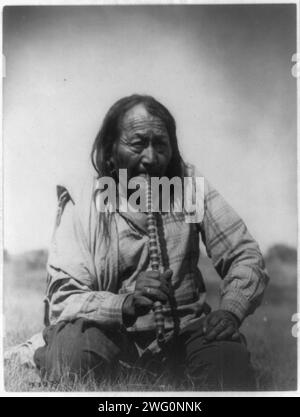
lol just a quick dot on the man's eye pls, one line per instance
(138, 146)
(161, 146)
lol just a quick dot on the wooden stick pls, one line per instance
(154, 262)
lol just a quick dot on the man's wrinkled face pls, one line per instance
(144, 144)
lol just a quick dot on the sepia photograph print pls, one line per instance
(150, 198)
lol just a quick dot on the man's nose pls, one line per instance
(149, 156)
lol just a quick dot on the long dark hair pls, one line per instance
(110, 131)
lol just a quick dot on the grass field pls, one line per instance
(268, 332)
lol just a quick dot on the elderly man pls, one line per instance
(101, 288)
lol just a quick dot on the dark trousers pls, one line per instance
(81, 348)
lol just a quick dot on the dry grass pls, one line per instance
(268, 332)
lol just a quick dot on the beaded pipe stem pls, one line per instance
(154, 262)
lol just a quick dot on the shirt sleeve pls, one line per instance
(235, 255)
(73, 290)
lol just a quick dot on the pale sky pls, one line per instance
(224, 72)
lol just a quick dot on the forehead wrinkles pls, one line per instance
(144, 123)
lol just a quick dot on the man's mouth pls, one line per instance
(150, 173)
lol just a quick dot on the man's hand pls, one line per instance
(150, 286)
(221, 325)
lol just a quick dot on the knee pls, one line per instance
(75, 350)
(235, 367)
(224, 365)
(233, 353)
(81, 360)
